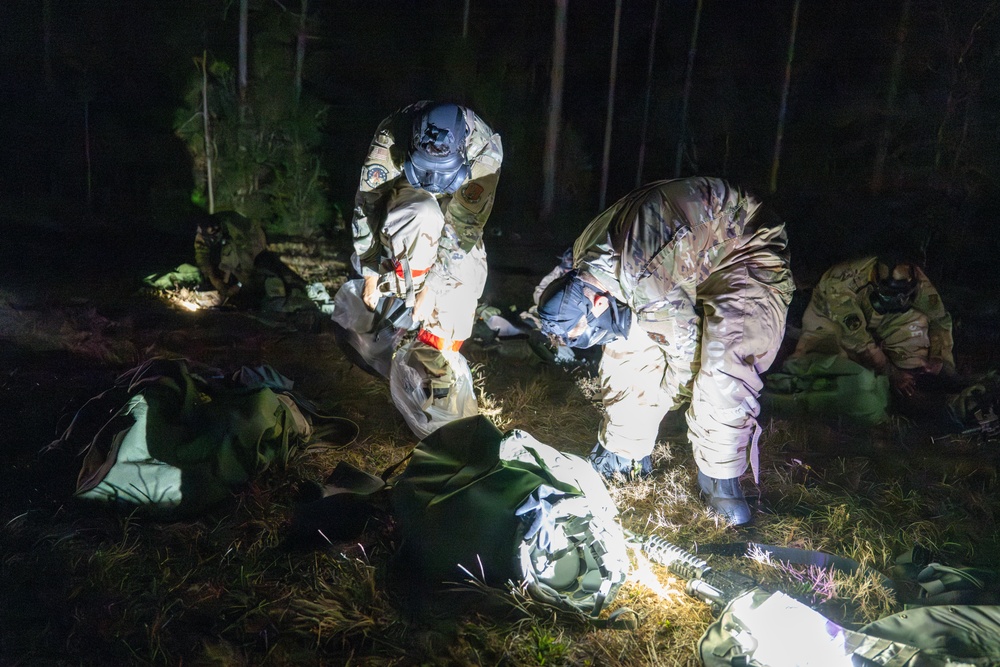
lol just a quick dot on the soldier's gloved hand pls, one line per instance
(611, 465)
(370, 293)
(422, 306)
(904, 382)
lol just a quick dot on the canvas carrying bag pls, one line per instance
(475, 502)
(829, 387)
(175, 440)
(954, 620)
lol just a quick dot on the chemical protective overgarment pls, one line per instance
(416, 240)
(841, 320)
(704, 268)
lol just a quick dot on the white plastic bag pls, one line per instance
(412, 396)
(356, 320)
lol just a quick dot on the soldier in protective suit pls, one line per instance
(231, 252)
(686, 283)
(226, 245)
(884, 314)
(427, 189)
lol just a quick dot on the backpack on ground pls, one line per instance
(952, 621)
(827, 386)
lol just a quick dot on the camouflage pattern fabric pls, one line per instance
(840, 320)
(436, 239)
(415, 240)
(704, 268)
(225, 255)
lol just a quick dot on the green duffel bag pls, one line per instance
(829, 387)
(765, 629)
(177, 440)
(477, 503)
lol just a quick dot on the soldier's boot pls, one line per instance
(611, 465)
(439, 375)
(725, 496)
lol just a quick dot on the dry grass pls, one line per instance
(93, 586)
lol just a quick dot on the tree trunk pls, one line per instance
(242, 57)
(687, 90)
(207, 126)
(783, 109)
(300, 51)
(882, 151)
(555, 112)
(964, 78)
(612, 78)
(649, 92)
(86, 152)
(465, 20)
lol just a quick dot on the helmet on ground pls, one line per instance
(566, 301)
(572, 552)
(577, 558)
(436, 159)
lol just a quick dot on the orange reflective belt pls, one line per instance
(415, 274)
(437, 342)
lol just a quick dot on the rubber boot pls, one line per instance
(726, 497)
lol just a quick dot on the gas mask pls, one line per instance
(894, 290)
(436, 159)
(565, 301)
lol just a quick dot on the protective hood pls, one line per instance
(436, 161)
(564, 302)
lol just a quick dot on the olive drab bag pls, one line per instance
(953, 620)
(506, 508)
(175, 440)
(765, 629)
(827, 386)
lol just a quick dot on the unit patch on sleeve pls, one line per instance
(472, 193)
(375, 175)
(378, 153)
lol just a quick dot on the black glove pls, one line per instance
(611, 465)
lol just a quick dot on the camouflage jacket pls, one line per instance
(656, 246)
(465, 212)
(226, 258)
(842, 296)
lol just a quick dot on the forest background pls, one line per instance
(866, 124)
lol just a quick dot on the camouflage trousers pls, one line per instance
(740, 322)
(903, 337)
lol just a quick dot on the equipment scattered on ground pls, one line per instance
(758, 628)
(827, 386)
(505, 507)
(174, 438)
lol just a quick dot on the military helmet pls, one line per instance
(579, 560)
(436, 159)
(572, 553)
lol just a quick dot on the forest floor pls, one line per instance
(86, 585)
